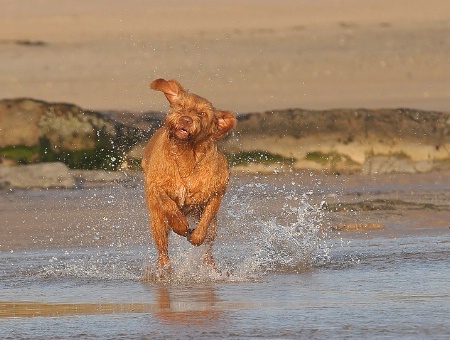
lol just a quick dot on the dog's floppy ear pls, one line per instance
(171, 88)
(226, 122)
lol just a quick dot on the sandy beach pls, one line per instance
(251, 56)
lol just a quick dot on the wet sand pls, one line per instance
(96, 217)
(76, 259)
(246, 57)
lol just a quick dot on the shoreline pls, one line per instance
(113, 214)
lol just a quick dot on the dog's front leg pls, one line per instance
(208, 216)
(164, 215)
(160, 233)
(176, 219)
(173, 216)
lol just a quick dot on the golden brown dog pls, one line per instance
(185, 174)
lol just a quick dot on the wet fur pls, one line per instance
(185, 174)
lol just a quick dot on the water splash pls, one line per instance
(290, 247)
(282, 233)
(265, 227)
(106, 265)
(291, 241)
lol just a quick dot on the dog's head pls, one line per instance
(192, 118)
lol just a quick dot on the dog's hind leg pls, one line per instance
(209, 242)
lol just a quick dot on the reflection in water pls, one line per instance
(196, 306)
(200, 308)
(34, 309)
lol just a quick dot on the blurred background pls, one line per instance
(375, 74)
(244, 56)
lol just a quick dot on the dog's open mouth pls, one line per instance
(182, 134)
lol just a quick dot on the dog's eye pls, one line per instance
(202, 114)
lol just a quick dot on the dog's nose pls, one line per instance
(186, 120)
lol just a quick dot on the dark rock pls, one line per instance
(347, 140)
(350, 139)
(37, 131)
(428, 126)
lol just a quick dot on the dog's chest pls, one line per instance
(194, 190)
(197, 178)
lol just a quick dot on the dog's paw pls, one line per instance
(179, 223)
(196, 238)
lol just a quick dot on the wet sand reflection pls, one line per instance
(200, 310)
(35, 309)
(181, 311)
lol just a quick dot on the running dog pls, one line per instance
(185, 174)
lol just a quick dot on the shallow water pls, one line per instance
(284, 273)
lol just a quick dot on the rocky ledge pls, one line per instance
(34, 131)
(334, 141)
(345, 140)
